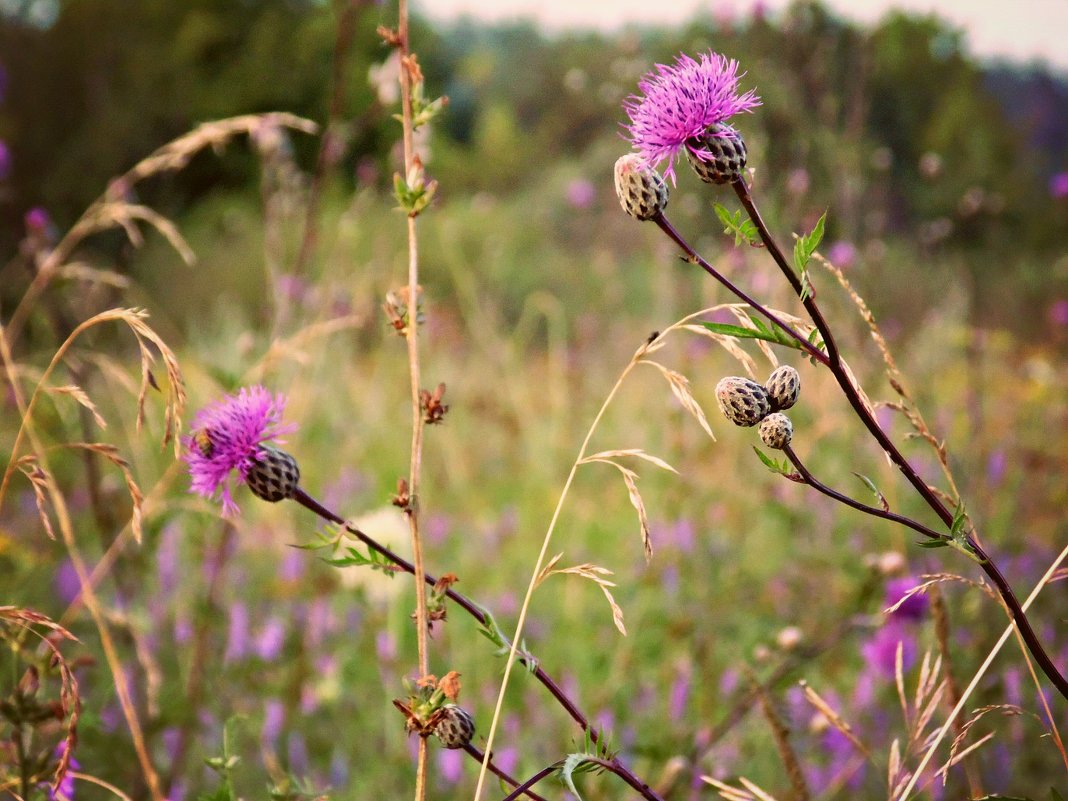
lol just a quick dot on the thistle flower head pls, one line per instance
(232, 435)
(680, 102)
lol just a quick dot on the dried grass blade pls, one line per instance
(637, 452)
(79, 395)
(834, 718)
(680, 388)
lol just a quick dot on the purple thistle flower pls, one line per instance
(230, 435)
(680, 102)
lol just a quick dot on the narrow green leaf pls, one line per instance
(572, 762)
(933, 543)
(874, 491)
(727, 329)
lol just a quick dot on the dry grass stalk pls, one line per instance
(781, 734)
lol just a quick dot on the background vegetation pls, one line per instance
(941, 180)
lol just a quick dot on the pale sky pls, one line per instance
(1020, 30)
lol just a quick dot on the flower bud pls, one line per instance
(776, 430)
(274, 475)
(720, 156)
(641, 191)
(455, 727)
(743, 401)
(783, 386)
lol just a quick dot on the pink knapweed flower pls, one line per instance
(230, 435)
(680, 102)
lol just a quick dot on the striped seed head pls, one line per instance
(743, 401)
(274, 476)
(718, 155)
(776, 430)
(455, 727)
(783, 386)
(642, 193)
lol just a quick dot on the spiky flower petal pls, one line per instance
(680, 103)
(231, 435)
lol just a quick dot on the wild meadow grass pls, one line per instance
(235, 643)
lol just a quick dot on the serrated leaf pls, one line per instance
(742, 229)
(781, 469)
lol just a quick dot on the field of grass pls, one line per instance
(534, 303)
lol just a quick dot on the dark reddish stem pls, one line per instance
(521, 789)
(473, 609)
(537, 777)
(695, 258)
(841, 374)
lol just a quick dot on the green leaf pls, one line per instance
(933, 543)
(783, 468)
(741, 228)
(874, 491)
(804, 247)
(773, 334)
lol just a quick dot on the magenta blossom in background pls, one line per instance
(680, 102)
(581, 193)
(915, 608)
(236, 430)
(1058, 185)
(842, 254)
(5, 160)
(1058, 312)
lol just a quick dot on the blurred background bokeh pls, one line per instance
(945, 179)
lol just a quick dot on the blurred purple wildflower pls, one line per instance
(66, 583)
(680, 102)
(915, 608)
(1058, 312)
(271, 640)
(5, 160)
(842, 253)
(996, 466)
(880, 652)
(581, 193)
(274, 718)
(237, 428)
(237, 636)
(1058, 185)
(64, 791)
(450, 765)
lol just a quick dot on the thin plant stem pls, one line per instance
(412, 337)
(695, 258)
(646, 791)
(841, 373)
(959, 706)
(537, 777)
(521, 789)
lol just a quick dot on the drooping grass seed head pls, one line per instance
(776, 430)
(642, 193)
(679, 103)
(232, 435)
(743, 401)
(718, 155)
(783, 386)
(454, 726)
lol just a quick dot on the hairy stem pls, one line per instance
(412, 337)
(845, 381)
